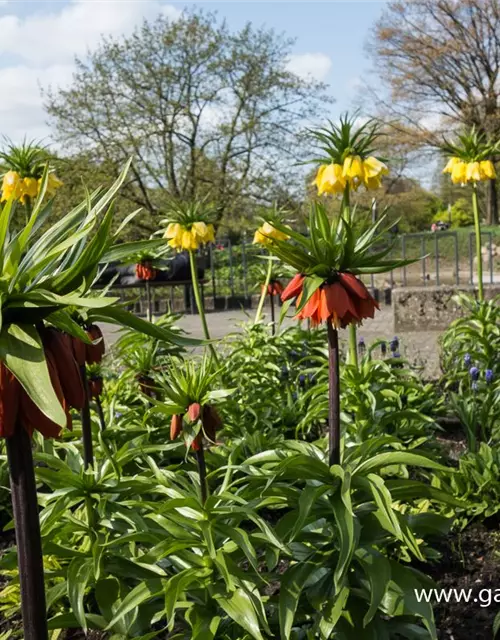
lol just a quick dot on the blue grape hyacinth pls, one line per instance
(488, 376)
(474, 373)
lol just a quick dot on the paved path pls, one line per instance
(420, 348)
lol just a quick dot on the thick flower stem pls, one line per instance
(333, 395)
(88, 449)
(29, 544)
(199, 302)
(202, 471)
(479, 256)
(263, 295)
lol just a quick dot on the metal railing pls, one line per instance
(233, 271)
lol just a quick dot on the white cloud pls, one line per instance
(310, 65)
(21, 111)
(44, 46)
(49, 38)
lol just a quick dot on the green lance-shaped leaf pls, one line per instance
(22, 352)
(378, 571)
(240, 608)
(79, 574)
(116, 315)
(292, 583)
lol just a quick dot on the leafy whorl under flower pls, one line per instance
(331, 249)
(470, 157)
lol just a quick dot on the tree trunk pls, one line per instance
(491, 202)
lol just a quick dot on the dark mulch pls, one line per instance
(470, 560)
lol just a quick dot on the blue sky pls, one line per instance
(40, 39)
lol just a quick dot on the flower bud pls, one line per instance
(175, 426)
(193, 411)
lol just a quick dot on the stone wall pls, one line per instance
(430, 308)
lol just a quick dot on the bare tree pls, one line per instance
(441, 60)
(203, 111)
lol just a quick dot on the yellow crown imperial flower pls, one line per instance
(487, 170)
(11, 185)
(330, 179)
(267, 233)
(452, 162)
(473, 172)
(459, 173)
(374, 168)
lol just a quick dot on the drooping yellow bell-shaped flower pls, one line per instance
(267, 233)
(373, 183)
(28, 189)
(53, 184)
(188, 241)
(353, 169)
(487, 170)
(374, 168)
(173, 230)
(330, 179)
(200, 231)
(451, 163)
(11, 185)
(473, 172)
(459, 173)
(210, 235)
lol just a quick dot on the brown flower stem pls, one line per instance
(28, 538)
(88, 450)
(333, 395)
(100, 413)
(273, 323)
(202, 471)
(479, 255)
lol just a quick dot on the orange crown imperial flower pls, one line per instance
(17, 409)
(342, 301)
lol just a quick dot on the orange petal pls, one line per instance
(293, 288)
(354, 285)
(339, 301)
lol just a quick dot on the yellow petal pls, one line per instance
(373, 183)
(487, 170)
(210, 235)
(29, 187)
(199, 229)
(173, 230)
(317, 179)
(332, 180)
(11, 185)
(473, 172)
(458, 173)
(353, 168)
(373, 167)
(259, 238)
(451, 163)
